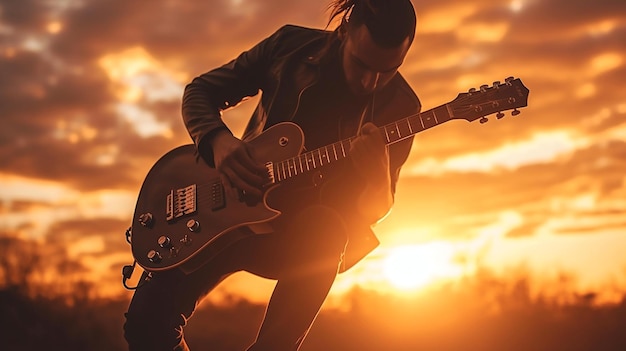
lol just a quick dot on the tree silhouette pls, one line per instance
(483, 312)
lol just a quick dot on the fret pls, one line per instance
(404, 129)
(428, 119)
(289, 168)
(295, 167)
(415, 127)
(449, 110)
(443, 113)
(394, 132)
(284, 172)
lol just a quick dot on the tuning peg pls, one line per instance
(484, 120)
(515, 112)
(508, 80)
(499, 115)
(472, 90)
(496, 84)
(483, 88)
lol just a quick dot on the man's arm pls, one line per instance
(370, 157)
(208, 95)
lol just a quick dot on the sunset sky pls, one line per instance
(90, 98)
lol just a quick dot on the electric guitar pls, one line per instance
(183, 208)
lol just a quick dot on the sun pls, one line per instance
(414, 266)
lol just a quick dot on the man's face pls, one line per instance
(367, 66)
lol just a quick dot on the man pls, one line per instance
(334, 85)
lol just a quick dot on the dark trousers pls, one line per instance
(303, 254)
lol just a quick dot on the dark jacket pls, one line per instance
(282, 66)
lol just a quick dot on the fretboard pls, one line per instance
(393, 132)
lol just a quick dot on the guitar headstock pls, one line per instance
(478, 103)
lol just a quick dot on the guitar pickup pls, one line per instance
(218, 200)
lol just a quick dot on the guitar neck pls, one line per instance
(393, 132)
(474, 104)
(407, 127)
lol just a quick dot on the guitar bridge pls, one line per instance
(181, 202)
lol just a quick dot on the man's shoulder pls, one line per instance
(292, 36)
(401, 94)
(292, 41)
(296, 30)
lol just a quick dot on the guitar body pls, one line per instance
(183, 208)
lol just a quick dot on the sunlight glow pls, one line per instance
(17, 188)
(586, 90)
(87, 245)
(54, 27)
(605, 62)
(595, 259)
(516, 5)
(446, 18)
(137, 74)
(542, 147)
(144, 122)
(44, 203)
(410, 267)
(440, 61)
(74, 130)
(483, 32)
(602, 28)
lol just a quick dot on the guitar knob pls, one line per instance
(499, 115)
(164, 241)
(484, 120)
(146, 219)
(472, 90)
(515, 112)
(483, 88)
(193, 225)
(496, 84)
(154, 256)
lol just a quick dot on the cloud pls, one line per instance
(100, 236)
(90, 99)
(579, 192)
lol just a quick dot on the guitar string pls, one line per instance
(393, 126)
(310, 159)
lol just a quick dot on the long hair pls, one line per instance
(389, 22)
